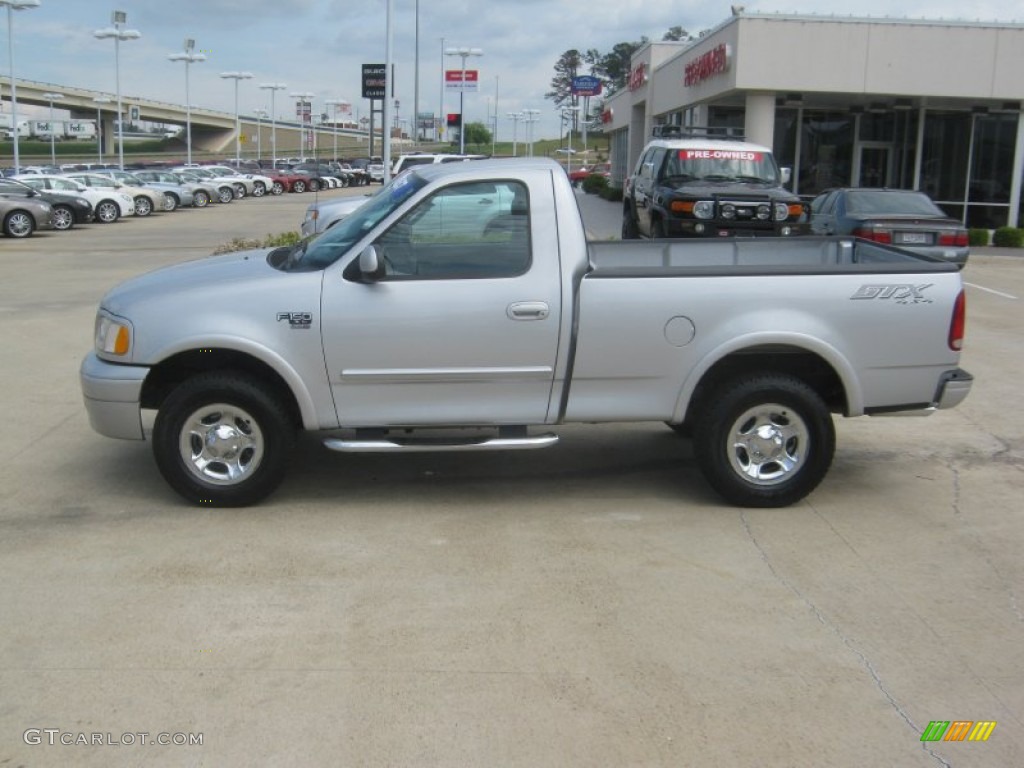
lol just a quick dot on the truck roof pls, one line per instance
(707, 143)
(490, 167)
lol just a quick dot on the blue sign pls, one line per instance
(586, 85)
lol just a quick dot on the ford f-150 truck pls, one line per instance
(463, 308)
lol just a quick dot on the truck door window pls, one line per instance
(465, 231)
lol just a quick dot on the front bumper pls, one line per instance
(112, 395)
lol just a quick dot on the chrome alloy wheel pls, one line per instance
(221, 444)
(768, 444)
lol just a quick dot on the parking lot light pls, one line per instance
(273, 88)
(236, 76)
(119, 33)
(463, 53)
(189, 57)
(12, 6)
(99, 101)
(52, 97)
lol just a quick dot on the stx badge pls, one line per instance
(900, 293)
(302, 321)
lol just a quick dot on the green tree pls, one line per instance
(566, 68)
(677, 34)
(477, 133)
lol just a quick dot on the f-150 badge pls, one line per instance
(302, 321)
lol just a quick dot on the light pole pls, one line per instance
(335, 103)
(118, 19)
(260, 114)
(515, 117)
(304, 97)
(273, 88)
(99, 101)
(236, 76)
(567, 116)
(530, 116)
(12, 6)
(189, 58)
(463, 53)
(52, 97)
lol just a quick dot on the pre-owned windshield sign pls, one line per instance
(718, 154)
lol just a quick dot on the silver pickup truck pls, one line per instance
(462, 308)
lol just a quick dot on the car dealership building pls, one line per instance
(903, 103)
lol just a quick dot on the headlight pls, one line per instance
(704, 209)
(764, 212)
(112, 337)
(728, 211)
(781, 211)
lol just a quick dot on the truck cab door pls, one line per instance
(459, 325)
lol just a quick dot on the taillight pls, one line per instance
(883, 236)
(956, 325)
(956, 239)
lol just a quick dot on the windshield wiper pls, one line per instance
(719, 177)
(680, 177)
(753, 179)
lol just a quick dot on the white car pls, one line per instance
(260, 184)
(146, 200)
(108, 204)
(239, 185)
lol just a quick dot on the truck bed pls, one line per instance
(749, 256)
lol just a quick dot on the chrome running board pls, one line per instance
(413, 444)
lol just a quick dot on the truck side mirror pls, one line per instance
(787, 175)
(370, 267)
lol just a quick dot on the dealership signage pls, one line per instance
(708, 65)
(461, 80)
(586, 85)
(375, 81)
(719, 154)
(638, 77)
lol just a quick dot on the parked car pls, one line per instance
(69, 208)
(24, 214)
(228, 188)
(146, 200)
(288, 181)
(195, 195)
(108, 205)
(324, 214)
(901, 217)
(577, 176)
(256, 184)
(175, 194)
(215, 192)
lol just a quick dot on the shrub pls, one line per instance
(612, 193)
(249, 243)
(977, 237)
(1008, 237)
(282, 238)
(594, 183)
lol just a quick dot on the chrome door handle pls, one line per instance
(528, 310)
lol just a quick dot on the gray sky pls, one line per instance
(319, 45)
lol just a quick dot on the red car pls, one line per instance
(577, 177)
(289, 181)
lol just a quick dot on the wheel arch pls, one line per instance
(278, 375)
(815, 363)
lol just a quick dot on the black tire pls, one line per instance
(299, 186)
(256, 438)
(629, 228)
(19, 224)
(143, 206)
(764, 440)
(200, 198)
(63, 218)
(277, 188)
(239, 190)
(259, 189)
(658, 230)
(314, 185)
(171, 201)
(225, 194)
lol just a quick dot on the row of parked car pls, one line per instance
(49, 197)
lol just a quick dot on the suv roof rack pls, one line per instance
(696, 132)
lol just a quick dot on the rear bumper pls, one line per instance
(112, 395)
(953, 387)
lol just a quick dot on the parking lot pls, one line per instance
(594, 604)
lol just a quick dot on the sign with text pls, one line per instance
(586, 85)
(707, 65)
(461, 80)
(375, 81)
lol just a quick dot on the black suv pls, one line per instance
(693, 183)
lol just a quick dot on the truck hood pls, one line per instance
(200, 277)
(709, 188)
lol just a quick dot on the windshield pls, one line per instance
(324, 250)
(890, 202)
(722, 165)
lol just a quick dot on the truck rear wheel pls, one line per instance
(764, 440)
(223, 440)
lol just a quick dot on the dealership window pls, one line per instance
(826, 151)
(787, 122)
(947, 139)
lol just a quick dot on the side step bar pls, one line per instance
(410, 445)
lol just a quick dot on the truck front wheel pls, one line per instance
(764, 440)
(220, 439)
